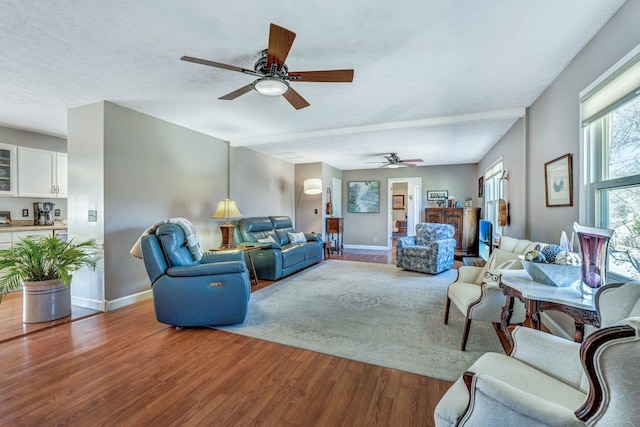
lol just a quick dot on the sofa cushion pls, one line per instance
(292, 254)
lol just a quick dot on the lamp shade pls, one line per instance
(312, 186)
(227, 209)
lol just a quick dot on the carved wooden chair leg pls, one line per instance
(446, 311)
(465, 334)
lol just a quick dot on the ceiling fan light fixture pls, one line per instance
(393, 166)
(271, 86)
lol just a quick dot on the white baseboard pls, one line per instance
(554, 327)
(91, 304)
(374, 248)
(128, 300)
(105, 305)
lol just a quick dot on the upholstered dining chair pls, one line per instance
(551, 381)
(480, 298)
(429, 251)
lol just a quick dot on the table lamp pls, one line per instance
(227, 209)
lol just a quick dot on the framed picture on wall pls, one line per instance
(364, 196)
(558, 183)
(435, 195)
(398, 202)
(481, 186)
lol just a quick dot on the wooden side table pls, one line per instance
(248, 250)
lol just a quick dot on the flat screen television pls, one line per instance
(485, 237)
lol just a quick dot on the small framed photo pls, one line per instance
(435, 195)
(558, 183)
(398, 202)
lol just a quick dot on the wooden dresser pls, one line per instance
(465, 222)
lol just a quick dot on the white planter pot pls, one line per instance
(45, 301)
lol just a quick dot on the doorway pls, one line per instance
(405, 205)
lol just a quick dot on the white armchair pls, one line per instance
(481, 299)
(550, 381)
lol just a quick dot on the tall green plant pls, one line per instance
(36, 259)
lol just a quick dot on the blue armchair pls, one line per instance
(211, 291)
(429, 251)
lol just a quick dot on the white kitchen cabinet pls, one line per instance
(41, 173)
(8, 175)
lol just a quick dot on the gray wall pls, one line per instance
(31, 140)
(553, 121)
(142, 170)
(512, 149)
(362, 228)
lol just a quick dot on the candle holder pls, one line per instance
(594, 243)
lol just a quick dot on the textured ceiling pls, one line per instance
(439, 80)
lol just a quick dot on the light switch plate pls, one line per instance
(93, 216)
(25, 212)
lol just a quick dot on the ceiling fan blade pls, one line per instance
(338, 76)
(295, 99)
(236, 93)
(218, 65)
(413, 160)
(280, 41)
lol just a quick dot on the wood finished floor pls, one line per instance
(124, 368)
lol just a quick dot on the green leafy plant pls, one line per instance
(36, 259)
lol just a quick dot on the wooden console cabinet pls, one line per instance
(465, 222)
(334, 229)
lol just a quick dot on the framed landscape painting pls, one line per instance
(558, 183)
(364, 196)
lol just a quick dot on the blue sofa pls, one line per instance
(429, 251)
(211, 291)
(282, 258)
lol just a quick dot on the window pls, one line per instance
(611, 120)
(492, 195)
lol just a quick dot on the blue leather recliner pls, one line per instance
(429, 251)
(186, 292)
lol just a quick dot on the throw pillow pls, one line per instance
(297, 237)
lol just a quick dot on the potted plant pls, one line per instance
(44, 267)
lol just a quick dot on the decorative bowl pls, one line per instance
(553, 274)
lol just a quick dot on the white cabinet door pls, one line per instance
(8, 166)
(36, 172)
(61, 174)
(41, 173)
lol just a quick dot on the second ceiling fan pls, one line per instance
(393, 161)
(272, 72)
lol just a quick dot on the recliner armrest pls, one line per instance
(222, 256)
(207, 269)
(312, 237)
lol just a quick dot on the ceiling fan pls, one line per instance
(273, 74)
(393, 161)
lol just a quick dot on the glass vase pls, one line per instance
(594, 243)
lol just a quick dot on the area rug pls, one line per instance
(372, 313)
